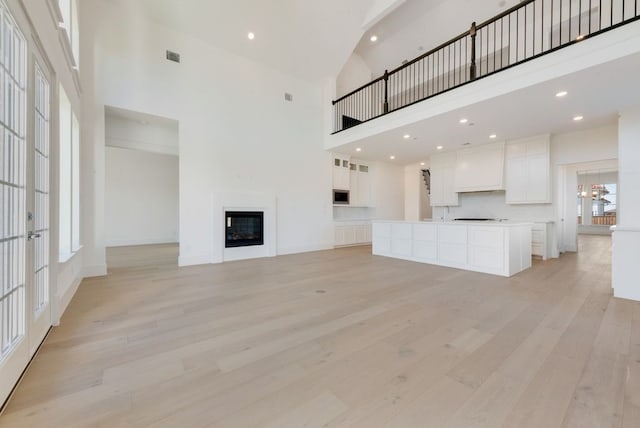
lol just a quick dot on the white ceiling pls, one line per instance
(140, 118)
(307, 39)
(422, 24)
(531, 111)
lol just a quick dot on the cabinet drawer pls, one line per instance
(537, 249)
(451, 234)
(382, 230)
(425, 232)
(487, 237)
(537, 236)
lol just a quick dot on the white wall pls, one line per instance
(237, 133)
(416, 201)
(389, 191)
(626, 238)
(354, 74)
(141, 197)
(149, 137)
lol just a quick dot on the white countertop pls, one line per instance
(504, 223)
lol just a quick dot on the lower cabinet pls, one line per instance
(542, 242)
(352, 233)
(501, 249)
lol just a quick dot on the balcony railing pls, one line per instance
(526, 31)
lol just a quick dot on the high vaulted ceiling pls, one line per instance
(308, 39)
(417, 26)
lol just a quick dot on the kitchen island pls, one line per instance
(495, 247)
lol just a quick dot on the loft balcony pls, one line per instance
(529, 30)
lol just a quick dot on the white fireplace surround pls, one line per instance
(232, 201)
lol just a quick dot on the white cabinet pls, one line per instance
(500, 249)
(487, 248)
(528, 178)
(360, 173)
(352, 233)
(542, 240)
(425, 242)
(452, 245)
(443, 169)
(480, 168)
(340, 171)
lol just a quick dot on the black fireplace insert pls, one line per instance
(244, 228)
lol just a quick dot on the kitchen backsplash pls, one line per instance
(492, 205)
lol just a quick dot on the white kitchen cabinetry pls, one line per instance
(542, 240)
(452, 245)
(499, 248)
(340, 171)
(528, 171)
(443, 170)
(361, 183)
(480, 168)
(425, 242)
(352, 233)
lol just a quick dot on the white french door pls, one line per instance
(25, 101)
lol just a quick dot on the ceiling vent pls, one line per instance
(288, 97)
(173, 56)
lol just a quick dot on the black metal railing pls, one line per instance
(526, 31)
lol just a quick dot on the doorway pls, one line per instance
(141, 188)
(25, 153)
(597, 195)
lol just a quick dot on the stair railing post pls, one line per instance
(472, 33)
(386, 91)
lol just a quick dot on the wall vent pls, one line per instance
(288, 97)
(173, 56)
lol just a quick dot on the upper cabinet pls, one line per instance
(356, 176)
(340, 171)
(528, 171)
(361, 184)
(480, 168)
(443, 171)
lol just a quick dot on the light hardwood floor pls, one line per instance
(339, 339)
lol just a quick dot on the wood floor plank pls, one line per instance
(338, 339)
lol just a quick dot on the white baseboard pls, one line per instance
(132, 242)
(93, 271)
(65, 299)
(305, 249)
(194, 260)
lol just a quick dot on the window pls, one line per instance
(13, 162)
(69, 179)
(69, 11)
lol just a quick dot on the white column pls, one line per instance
(626, 237)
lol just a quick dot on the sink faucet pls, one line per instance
(445, 211)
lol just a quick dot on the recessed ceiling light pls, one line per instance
(251, 36)
(422, 163)
(358, 149)
(439, 147)
(464, 120)
(561, 94)
(392, 157)
(374, 38)
(493, 136)
(406, 136)
(578, 118)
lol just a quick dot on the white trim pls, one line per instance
(309, 248)
(194, 260)
(93, 271)
(146, 241)
(65, 299)
(55, 12)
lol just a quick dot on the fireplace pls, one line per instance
(244, 228)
